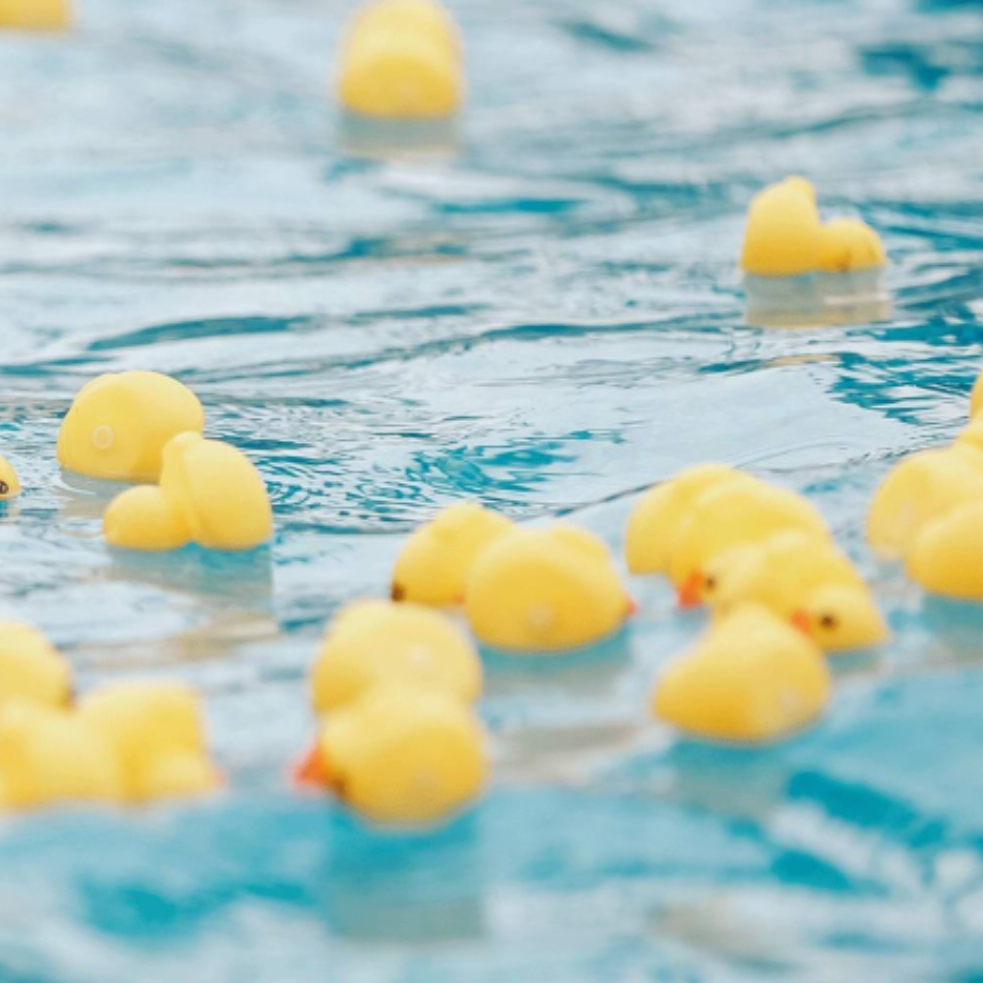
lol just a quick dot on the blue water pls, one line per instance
(548, 319)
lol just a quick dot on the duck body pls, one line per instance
(945, 556)
(545, 590)
(119, 424)
(209, 493)
(730, 517)
(805, 580)
(31, 669)
(921, 488)
(783, 236)
(399, 754)
(750, 679)
(402, 60)
(50, 757)
(379, 642)
(434, 564)
(655, 522)
(35, 15)
(155, 733)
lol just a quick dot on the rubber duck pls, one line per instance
(377, 642)
(804, 579)
(545, 590)
(850, 246)
(209, 493)
(945, 558)
(783, 236)
(656, 520)
(732, 516)
(35, 15)
(156, 733)
(750, 678)
(9, 482)
(400, 754)
(119, 424)
(50, 757)
(921, 488)
(31, 669)
(434, 565)
(401, 59)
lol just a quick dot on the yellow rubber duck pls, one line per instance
(156, 733)
(400, 754)
(35, 15)
(119, 424)
(209, 493)
(377, 642)
(402, 59)
(751, 678)
(31, 669)
(656, 520)
(9, 482)
(803, 579)
(783, 236)
(976, 398)
(734, 515)
(50, 757)
(922, 488)
(546, 590)
(434, 565)
(850, 246)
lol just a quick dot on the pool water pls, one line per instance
(547, 318)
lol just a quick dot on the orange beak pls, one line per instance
(631, 606)
(312, 770)
(802, 621)
(690, 593)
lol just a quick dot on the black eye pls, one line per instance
(398, 592)
(4, 488)
(828, 621)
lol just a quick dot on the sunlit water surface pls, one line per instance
(548, 319)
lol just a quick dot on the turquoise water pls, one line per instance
(548, 319)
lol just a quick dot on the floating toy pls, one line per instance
(976, 399)
(209, 493)
(378, 642)
(9, 482)
(545, 590)
(655, 522)
(401, 60)
(434, 565)
(784, 234)
(31, 669)
(921, 488)
(736, 514)
(804, 579)
(750, 678)
(35, 15)
(50, 757)
(400, 754)
(120, 423)
(850, 246)
(156, 734)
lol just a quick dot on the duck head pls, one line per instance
(375, 642)
(435, 562)
(31, 669)
(850, 246)
(119, 424)
(401, 59)
(842, 618)
(546, 590)
(9, 482)
(400, 754)
(783, 236)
